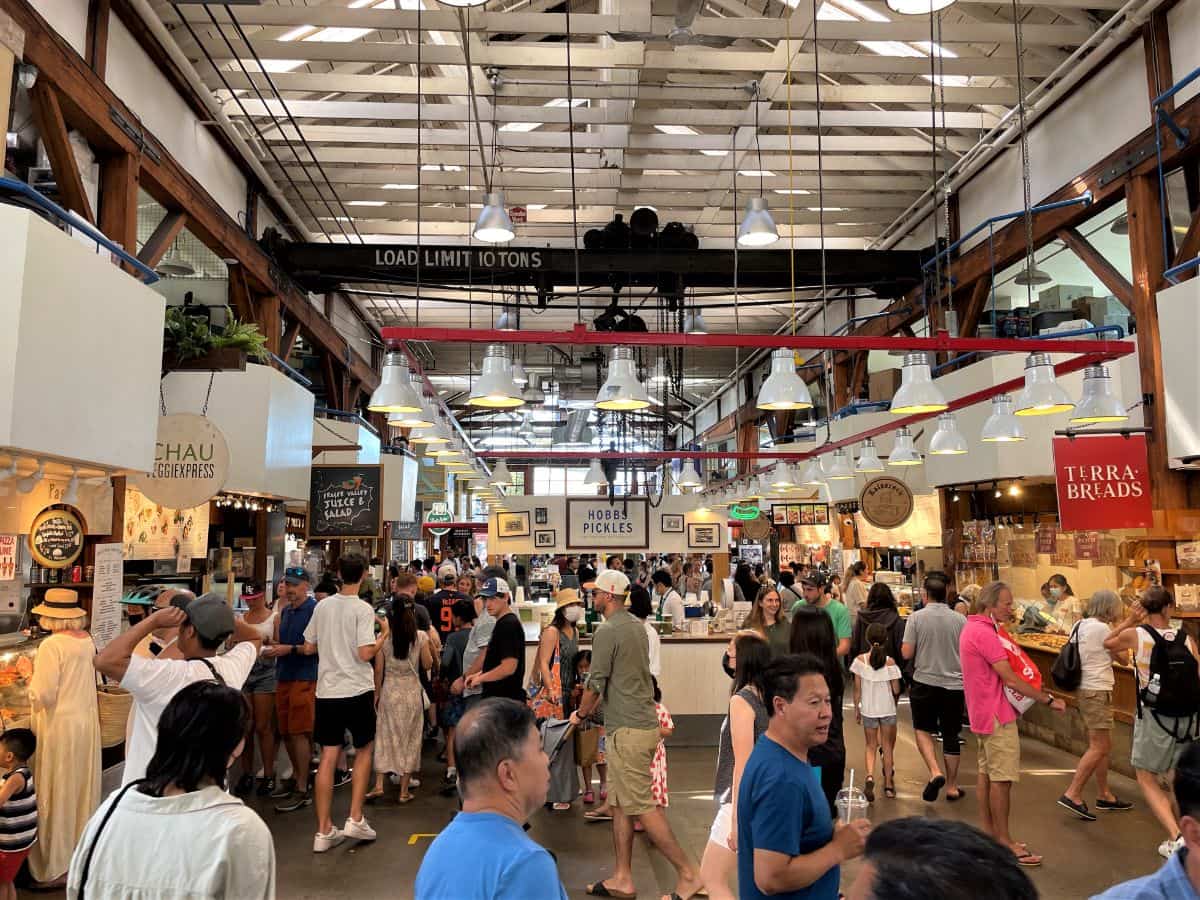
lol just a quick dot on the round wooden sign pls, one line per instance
(756, 529)
(56, 538)
(886, 502)
(191, 462)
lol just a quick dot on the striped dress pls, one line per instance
(19, 816)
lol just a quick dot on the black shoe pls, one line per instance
(297, 801)
(1080, 809)
(285, 788)
(933, 788)
(266, 787)
(244, 785)
(1117, 805)
(342, 777)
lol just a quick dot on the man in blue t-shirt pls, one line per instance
(503, 776)
(787, 843)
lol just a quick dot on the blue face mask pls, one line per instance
(1055, 594)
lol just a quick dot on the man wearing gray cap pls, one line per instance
(204, 624)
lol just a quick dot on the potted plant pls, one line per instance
(190, 342)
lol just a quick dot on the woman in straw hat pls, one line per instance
(62, 694)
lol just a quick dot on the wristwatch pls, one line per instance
(295, 648)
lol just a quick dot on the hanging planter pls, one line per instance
(191, 344)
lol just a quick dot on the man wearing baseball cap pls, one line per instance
(620, 676)
(813, 588)
(501, 670)
(204, 624)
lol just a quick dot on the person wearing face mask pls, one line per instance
(554, 666)
(1063, 604)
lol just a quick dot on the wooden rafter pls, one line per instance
(968, 322)
(96, 41)
(288, 343)
(48, 117)
(1099, 266)
(1189, 247)
(118, 199)
(160, 240)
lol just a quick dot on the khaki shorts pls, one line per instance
(1096, 709)
(630, 755)
(1000, 753)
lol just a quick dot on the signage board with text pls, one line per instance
(601, 525)
(1103, 482)
(191, 462)
(345, 501)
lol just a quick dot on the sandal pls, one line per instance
(597, 816)
(560, 807)
(600, 889)
(589, 798)
(869, 789)
(405, 798)
(954, 798)
(889, 784)
(933, 788)
(603, 794)
(1025, 858)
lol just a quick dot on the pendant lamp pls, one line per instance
(1032, 276)
(29, 482)
(519, 375)
(947, 440)
(781, 478)
(813, 475)
(494, 388)
(423, 418)
(493, 225)
(507, 320)
(839, 466)
(525, 430)
(689, 476)
(431, 437)
(914, 7)
(917, 393)
(757, 228)
(621, 390)
(463, 4)
(1002, 427)
(1098, 402)
(501, 477)
(693, 322)
(1042, 394)
(659, 374)
(595, 474)
(904, 451)
(783, 387)
(868, 459)
(395, 393)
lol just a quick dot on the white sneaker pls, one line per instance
(359, 831)
(1168, 847)
(323, 842)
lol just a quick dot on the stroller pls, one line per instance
(557, 741)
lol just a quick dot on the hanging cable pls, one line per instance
(821, 222)
(420, 98)
(933, 168)
(464, 16)
(791, 173)
(1026, 192)
(571, 145)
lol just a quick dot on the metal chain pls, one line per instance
(162, 400)
(208, 394)
(933, 166)
(1025, 186)
(828, 365)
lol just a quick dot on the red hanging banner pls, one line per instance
(1103, 482)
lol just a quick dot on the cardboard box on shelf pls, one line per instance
(1097, 309)
(1061, 296)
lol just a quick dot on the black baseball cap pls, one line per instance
(812, 581)
(296, 575)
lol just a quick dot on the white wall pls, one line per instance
(1183, 23)
(67, 17)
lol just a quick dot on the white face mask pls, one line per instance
(573, 614)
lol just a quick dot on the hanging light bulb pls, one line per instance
(1002, 426)
(1032, 276)
(493, 225)
(813, 475)
(757, 228)
(947, 440)
(917, 393)
(525, 430)
(432, 436)
(395, 393)
(914, 7)
(783, 388)
(904, 451)
(781, 478)
(995, 490)
(621, 390)
(693, 322)
(689, 476)
(868, 459)
(839, 466)
(1014, 490)
(71, 495)
(519, 375)
(595, 474)
(955, 498)
(501, 477)
(1098, 402)
(1042, 394)
(494, 389)
(29, 482)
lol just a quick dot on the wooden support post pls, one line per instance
(48, 117)
(1100, 267)
(841, 384)
(1156, 41)
(118, 200)
(267, 315)
(12, 48)
(240, 297)
(1188, 248)
(333, 387)
(858, 378)
(288, 342)
(160, 241)
(968, 322)
(96, 41)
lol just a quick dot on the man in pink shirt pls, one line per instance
(986, 672)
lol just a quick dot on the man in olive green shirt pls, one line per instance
(814, 595)
(620, 676)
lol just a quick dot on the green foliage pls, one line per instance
(243, 336)
(190, 337)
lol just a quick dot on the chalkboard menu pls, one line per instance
(345, 501)
(406, 531)
(56, 538)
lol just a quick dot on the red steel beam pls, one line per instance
(579, 335)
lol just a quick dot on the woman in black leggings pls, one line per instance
(812, 632)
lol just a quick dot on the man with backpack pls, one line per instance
(1167, 669)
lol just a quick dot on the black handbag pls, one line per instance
(1067, 671)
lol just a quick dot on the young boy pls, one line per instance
(18, 806)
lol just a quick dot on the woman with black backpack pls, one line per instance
(1167, 668)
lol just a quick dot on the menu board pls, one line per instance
(406, 531)
(106, 593)
(1046, 539)
(1064, 551)
(56, 538)
(8, 557)
(154, 531)
(1022, 552)
(345, 501)
(1087, 545)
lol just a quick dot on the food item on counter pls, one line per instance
(1044, 641)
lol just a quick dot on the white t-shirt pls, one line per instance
(1095, 661)
(672, 608)
(153, 682)
(878, 700)
(339, 626)
(655, 650)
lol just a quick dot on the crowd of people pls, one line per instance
(351, 678)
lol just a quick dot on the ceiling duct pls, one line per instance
(576, 433)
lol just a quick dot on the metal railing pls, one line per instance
(1098, 329)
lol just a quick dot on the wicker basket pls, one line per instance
(114, 703)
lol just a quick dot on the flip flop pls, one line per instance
(933, 788)
(595, 816)
(372, 796)
(589, 798)
(954, 798)
(600, 889)
(1025, 858)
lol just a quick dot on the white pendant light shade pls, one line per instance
(689, 476)
(29, 482)
(431, 437)
(595, 474)
(868, 459)
(1042, 394)
(395, 393)
(494, 388)
(1098, 402)
(1002, 427)
(781, 477)
(783, 387)
(519, 375)
(621, 390)
(425, 417)
(757, 228)
(947, 440)
(71, 494)
(507, 320)
(813, 475)
(904, 451)
(914, 7)
(493, 225)
(839, 466)
(500, 475)
(463, 4)
(917, 393)
(525, 431)
(693, 322)
(659, 375)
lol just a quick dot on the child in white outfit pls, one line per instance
(876, 687)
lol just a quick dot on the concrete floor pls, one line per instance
(1082, 858)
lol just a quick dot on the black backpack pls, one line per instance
(1178, 679)
(1067, 670)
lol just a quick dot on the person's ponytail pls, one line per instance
(876, 636)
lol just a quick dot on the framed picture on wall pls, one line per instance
(793, 514)
(672, 523)
(512, 524)
(821, 516)
(779, 513)
(704, 536)
(808, 514)
(544, 540)
(541, 515)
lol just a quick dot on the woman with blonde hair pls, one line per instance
(766, 617)
(966, 598)
(1094, 697)
(66, 768)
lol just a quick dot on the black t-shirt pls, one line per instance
(586, 575)
(508, 640)
(440, 605)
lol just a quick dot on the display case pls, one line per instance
(16, 668)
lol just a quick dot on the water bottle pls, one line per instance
(1152, 689)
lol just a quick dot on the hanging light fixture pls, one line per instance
(659, 374)
(1120, 225)
(1042, 394)
(395, 393)
(424, 418)
(783, 388)
(525, 431)
(71, 494)
(914, 7)
(917, 393)
(431, 437)
(507, 320)
(781, 478)
(1002, 427)
(839, 466)
(1098, 402)
(595, 474)
(868, 459)
(689, 476)
(757, 228)
(947, 440)
(813, 475)
(493, 225)
(29, 482)
(494, 388)
(996, 490)
(174, 264)
(1031, 276)
(501, 477)
(693, 322)
(904, 451)
(621, 390)
(519, 376)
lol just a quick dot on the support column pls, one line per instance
(118, 199)
(12, 46)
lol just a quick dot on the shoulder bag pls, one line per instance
(1067, 671)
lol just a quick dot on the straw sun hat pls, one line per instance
(60, 603)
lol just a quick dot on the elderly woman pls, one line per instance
(62, 694)
(1094, 697)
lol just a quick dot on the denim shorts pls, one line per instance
(873, 722)
(261, 679)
